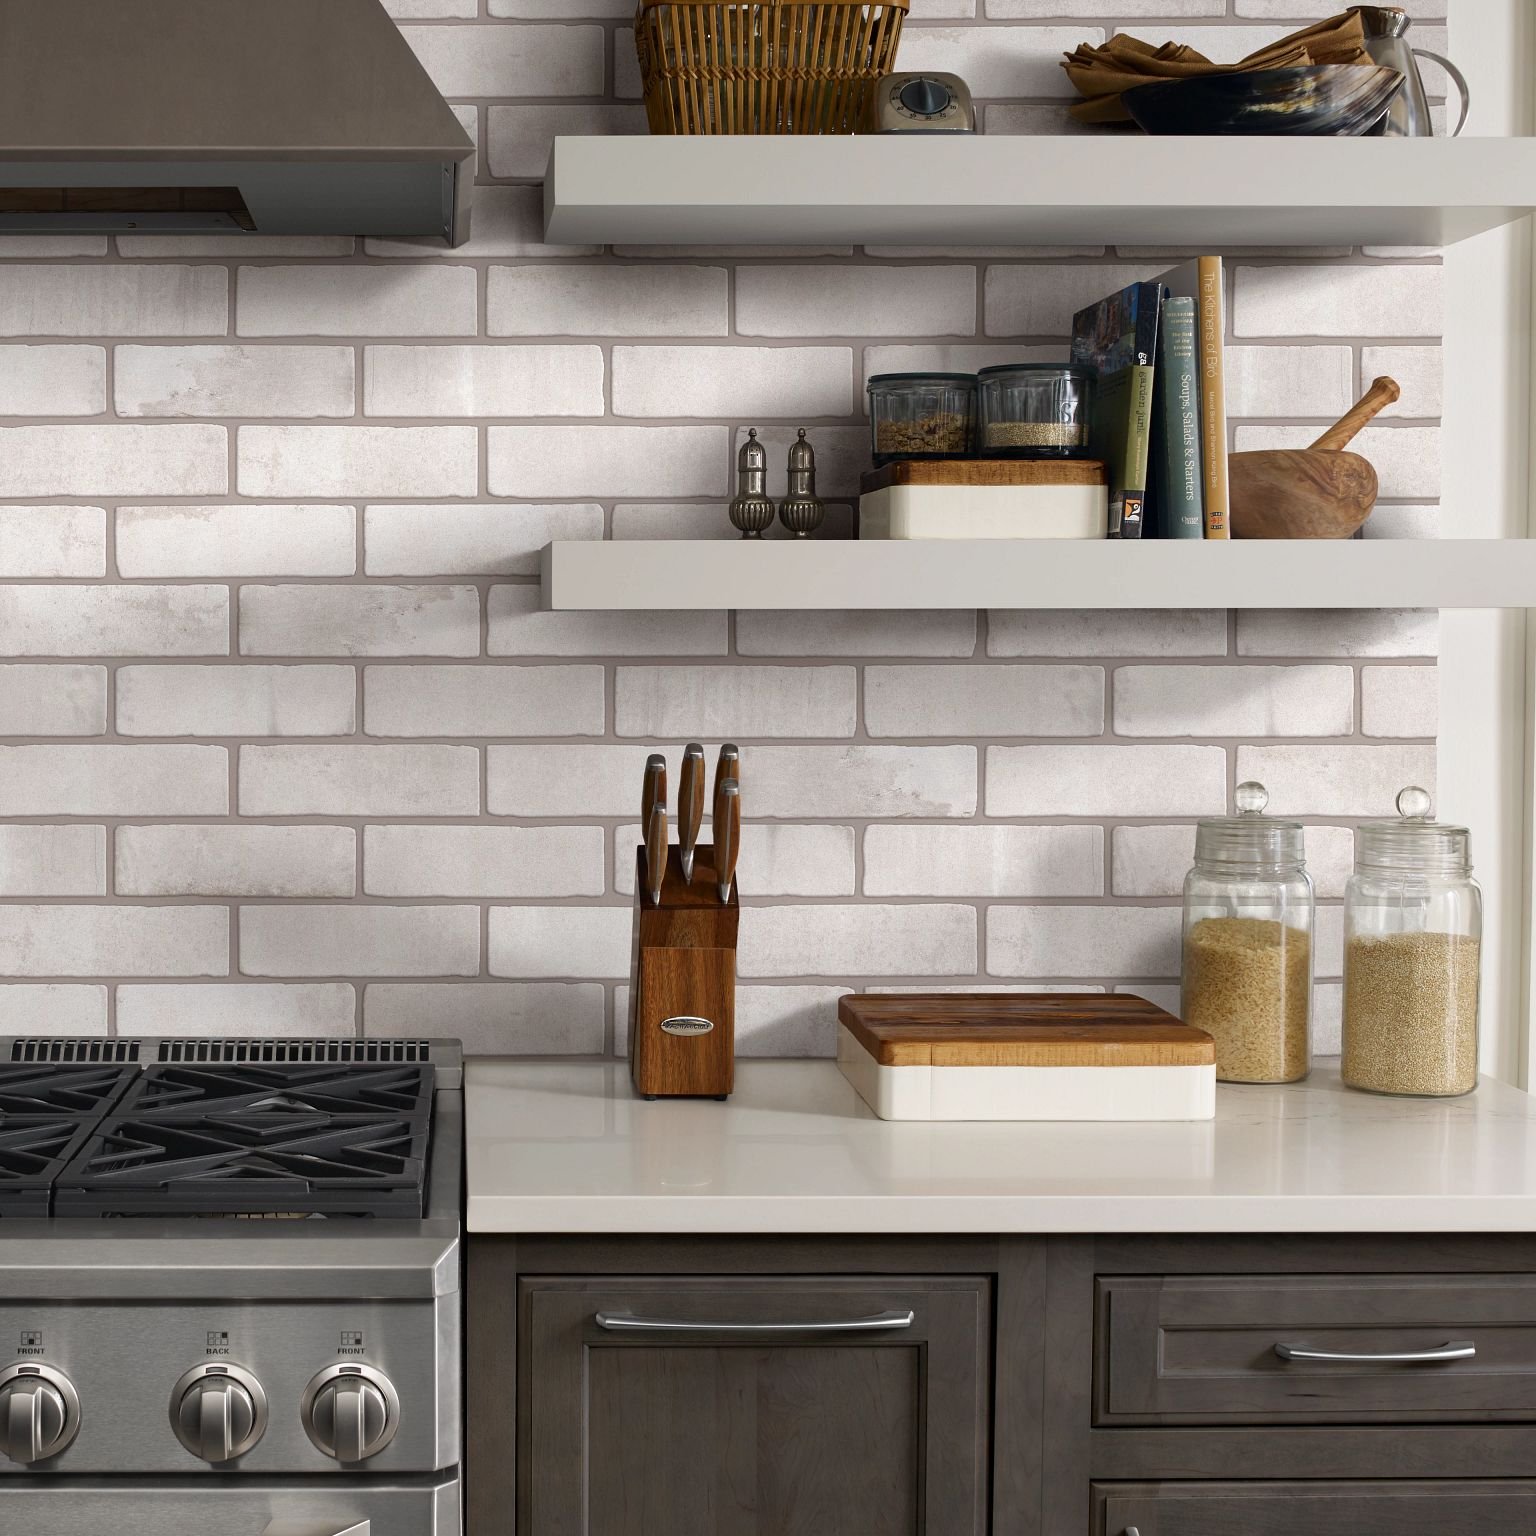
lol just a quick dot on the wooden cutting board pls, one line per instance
(1022, 1030)
(985, 472)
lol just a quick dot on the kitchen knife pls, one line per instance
(690, 805)
(654, 789)
(727, 833)
(656, 850)
(729, 766)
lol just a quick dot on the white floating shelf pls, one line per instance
(1083, 189)
(849, 574)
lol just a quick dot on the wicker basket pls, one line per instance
(764, 66)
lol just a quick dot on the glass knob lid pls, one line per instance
(1413, 803)
(1251, 798)
(1412, 842)
(1251, 841)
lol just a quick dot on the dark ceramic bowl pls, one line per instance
(1343, 100)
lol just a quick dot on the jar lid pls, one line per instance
(1062, 370)
(1413, 844)
(1251, 842)
(920, 378)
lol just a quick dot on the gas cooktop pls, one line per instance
(219, 1134)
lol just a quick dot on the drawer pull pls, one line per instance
(627, 1322)
(1461, 1350)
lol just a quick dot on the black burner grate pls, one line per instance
(33, 1152)
(249, 1089)
(43, 1088)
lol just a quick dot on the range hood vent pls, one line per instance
(283, 117)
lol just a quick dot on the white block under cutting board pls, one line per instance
(985, 499)
(1022, 1057)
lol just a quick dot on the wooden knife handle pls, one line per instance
(653, 789)
(1378, 397)
(727, 834)
(729, 765)
(656, 849)
(690, 804)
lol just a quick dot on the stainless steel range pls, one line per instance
(229, 1287)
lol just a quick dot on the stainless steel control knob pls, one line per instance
(351, 1412)
(39, 1413)
(218, 1412)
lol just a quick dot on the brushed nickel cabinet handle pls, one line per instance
(627, 1322)
(1459, 1350)
(1131, 1530)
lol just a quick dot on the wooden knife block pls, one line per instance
(684, 976)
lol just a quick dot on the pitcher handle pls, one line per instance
(1458, 79)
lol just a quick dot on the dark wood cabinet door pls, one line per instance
(1316, 1509)
(762, 1412)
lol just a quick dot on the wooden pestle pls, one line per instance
(1377, 398)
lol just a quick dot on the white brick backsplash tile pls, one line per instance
(53, 541)
(626, 65)
(776, 859)
(560, 941)
(1111, 632)
(434, 10)
(359, 621)
(483, 381)
(787, 1021)
(1006, 119)
(1399, 701)
(483, 701)
(941, 10)
(483, 861)
(1150, 861)
(1404, 523)
(114, 621)
(562, 10)
(1407, 459)
(35, 246)
(60, 1010)
(607, 301)
(984, 701)
(736, 701)
(359, 781)
(53, 861)
(236, 861)
(1338, 632)
(732, 381)
(518, 138)
(359, 941)
(1290, 381)
(879, 632)
(114, 941)
(1083, 941)
(236, 541)
(1334, 300)
(489, 539)
(710, 520)
(506, 221)
(113, 301)
(233, 381)
(1041, 299)
(1336, 780)
(1234, 701)
(983, 861)
(863, 940)
(1106, 781)
(1030, 10)
(998, 61)
(496, 1018)
(52, 381)
(784, 781)
(242, 245)
(53, 701)
(114, 781)
(1419, 370)
(603, 461)
(114, 461)
(1328, 942)
(856, 301)
(236, 701)
(349, 301)
(519, 626)
(256, 1008)
(511, 61)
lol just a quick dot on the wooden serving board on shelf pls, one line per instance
(1024, 1057)
(985, 472)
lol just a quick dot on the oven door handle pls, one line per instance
(318, 1528)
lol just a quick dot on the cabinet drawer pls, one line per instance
(1209, 1349)
(1315, 1509)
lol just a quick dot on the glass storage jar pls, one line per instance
(1413, 928)
(1248, 911)
(922, 415)
(1035, 410)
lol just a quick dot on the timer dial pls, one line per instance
(923, 97)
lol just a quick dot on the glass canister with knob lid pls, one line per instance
(1413, 928)
(1248, 915)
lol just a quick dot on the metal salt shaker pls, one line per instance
(752, 506)
(802, 511)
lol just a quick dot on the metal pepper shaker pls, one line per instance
(801, 510)
(752, 506)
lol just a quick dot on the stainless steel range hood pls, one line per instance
(270, 116)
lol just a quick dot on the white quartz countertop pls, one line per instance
(567, 1147)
